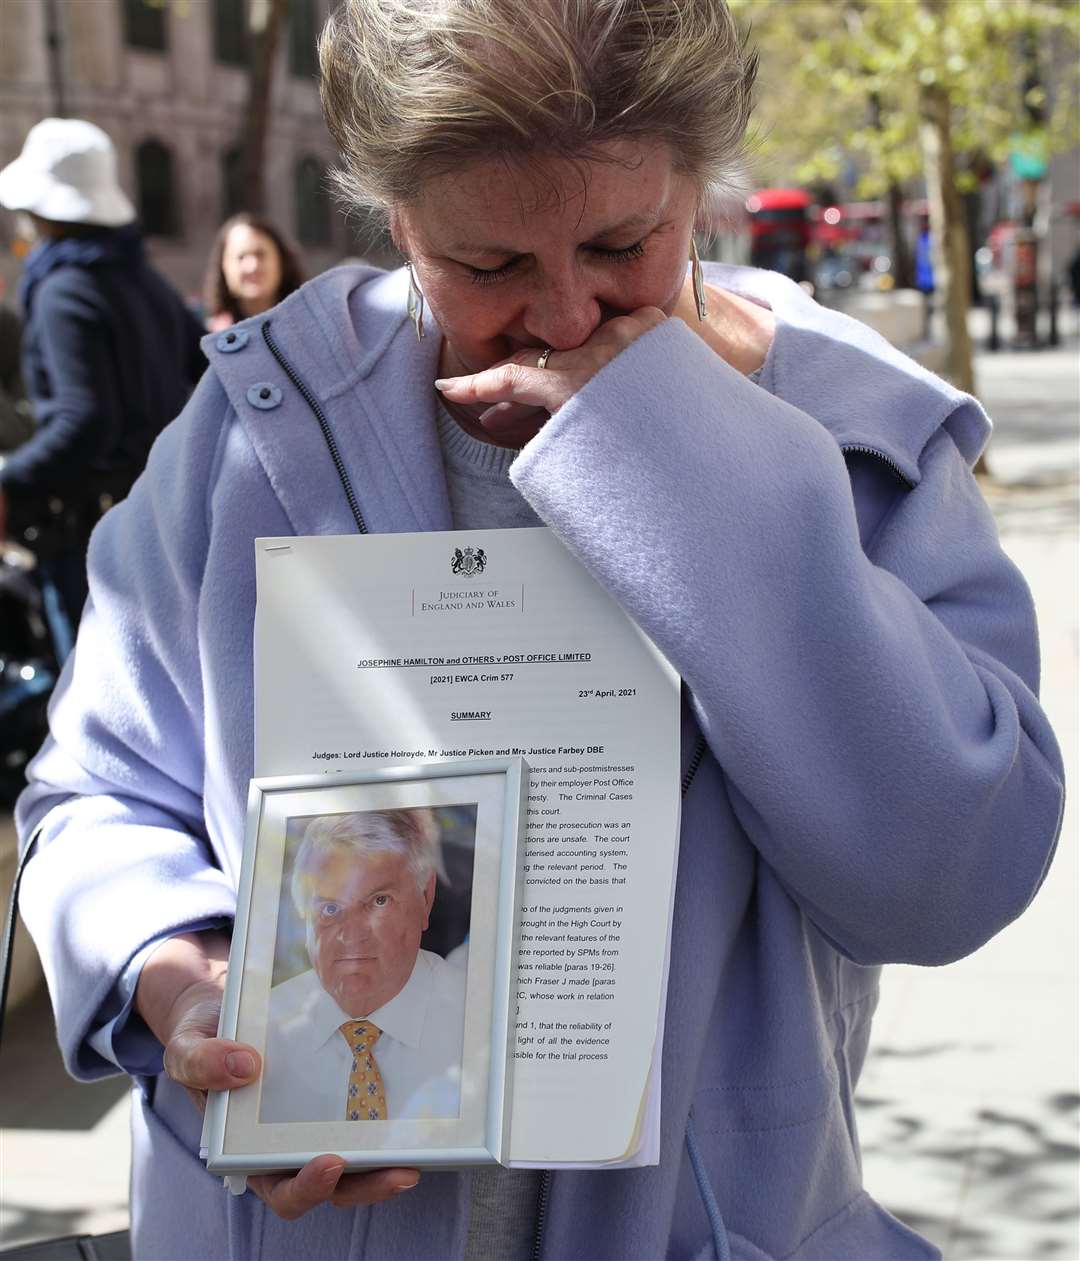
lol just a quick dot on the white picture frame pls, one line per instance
(269, 1003)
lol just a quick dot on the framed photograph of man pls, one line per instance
(372, 964)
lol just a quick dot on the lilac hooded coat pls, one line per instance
(813, 556)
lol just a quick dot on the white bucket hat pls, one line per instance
(67, 173)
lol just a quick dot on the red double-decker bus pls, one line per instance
(780, 230)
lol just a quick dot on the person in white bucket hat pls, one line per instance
(67, 173)
(109, 355)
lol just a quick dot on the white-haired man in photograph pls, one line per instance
(373, 1030)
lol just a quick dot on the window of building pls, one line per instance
(158, 209)
(231, 45)
(232, 187)
(303, 62)
(144, 24)
(312, 203)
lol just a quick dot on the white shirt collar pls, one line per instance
(401, 1018)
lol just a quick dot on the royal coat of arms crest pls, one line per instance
(468, 561)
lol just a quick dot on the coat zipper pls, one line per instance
(541, 1210)
(545, 1181)
(855, 449)
(324, 425)
(695, 762)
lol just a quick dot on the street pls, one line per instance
(970, 1098)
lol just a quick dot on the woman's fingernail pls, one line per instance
(407, 1187)
(331, 1175)
(492, 412)
(442, 382)
(240, 1063)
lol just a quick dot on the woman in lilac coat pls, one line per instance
(779, 499)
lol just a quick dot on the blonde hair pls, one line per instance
(414, 88)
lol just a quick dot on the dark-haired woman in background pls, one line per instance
(252, 267)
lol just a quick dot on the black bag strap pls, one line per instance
(7, 946)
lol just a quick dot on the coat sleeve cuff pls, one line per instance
(124, 1039)
(150, 880)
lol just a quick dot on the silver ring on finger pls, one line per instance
(542, 361)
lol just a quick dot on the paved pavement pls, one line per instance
(971, 1095)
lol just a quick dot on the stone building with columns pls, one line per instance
(168, 81)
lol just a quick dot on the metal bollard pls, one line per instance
(995, 338)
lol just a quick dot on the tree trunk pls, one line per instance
(948, 232)
(267, 18)
(948, 236)
(54, 48)
(903, 276)
(901, 252)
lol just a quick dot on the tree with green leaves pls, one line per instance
(903, 87)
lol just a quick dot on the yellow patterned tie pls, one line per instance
(366, 1099)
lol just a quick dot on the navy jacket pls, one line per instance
(110, 354)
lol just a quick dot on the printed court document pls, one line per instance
(379, 650)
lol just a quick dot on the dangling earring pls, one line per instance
(697, 280)
(415, 304)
